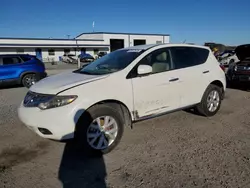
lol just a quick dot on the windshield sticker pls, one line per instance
(134, 50)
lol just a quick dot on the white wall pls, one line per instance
(30, 51)
(90, 36)
(129, 39)
(58, 52)
(8, 45)
(150, 39)
(37, 43)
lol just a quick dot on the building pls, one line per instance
(50, 50)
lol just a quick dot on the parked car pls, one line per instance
(101, 54)
(239, 72)
(86, 58)
(227, 58)
(69, 58)
(21, 69)
(99, 101)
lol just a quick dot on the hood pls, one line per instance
(243, 51)
(57, 83)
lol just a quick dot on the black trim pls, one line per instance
(206, 72)
(174, 79)
(56, 45)
(9, 82)
(114, 33)
(163, 113)
(50, 39)
(131, 74)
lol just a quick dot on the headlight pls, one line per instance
(57, 101)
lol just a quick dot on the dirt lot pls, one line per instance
(176, 150)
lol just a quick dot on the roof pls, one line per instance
(142, 47)
(7, 55)
(15, 38)
(114, 33)
(147, 46)
(54, 45)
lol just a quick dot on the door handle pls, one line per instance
(173, 79)
(206, 72)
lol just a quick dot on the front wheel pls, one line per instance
(211, 101)
(28, 80)
(100, 129)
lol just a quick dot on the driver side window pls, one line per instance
(159, 60)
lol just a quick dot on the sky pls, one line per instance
(194, 21)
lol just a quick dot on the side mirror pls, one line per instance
(144, 69)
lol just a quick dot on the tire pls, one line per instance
(87, 120)
(28, 80)
(203, 107)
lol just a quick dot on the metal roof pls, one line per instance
(58, 39)
(117, 33)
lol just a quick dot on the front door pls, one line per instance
(158, 92)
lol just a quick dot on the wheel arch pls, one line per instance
(220, 85)
(25, 73)
(116, 104)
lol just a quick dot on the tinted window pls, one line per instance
(11, 60)
(25, 58)
(202, 55)
(159, 60)
(188, 56)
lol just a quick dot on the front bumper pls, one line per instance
(57, 123)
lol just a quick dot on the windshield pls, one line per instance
(111, 62)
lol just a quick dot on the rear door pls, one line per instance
(9, 67)
(192, 72)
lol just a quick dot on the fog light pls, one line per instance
(44, 131)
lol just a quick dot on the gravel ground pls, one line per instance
(176, 150)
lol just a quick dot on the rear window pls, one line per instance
(188, 56)
(10, 60)
(202, 55)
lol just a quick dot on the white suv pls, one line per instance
(94, 104)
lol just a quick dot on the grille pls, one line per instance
(34, 99)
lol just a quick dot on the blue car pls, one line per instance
(21, 69)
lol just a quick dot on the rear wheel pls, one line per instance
(100, 129)
(211, 101)
(29, 80)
